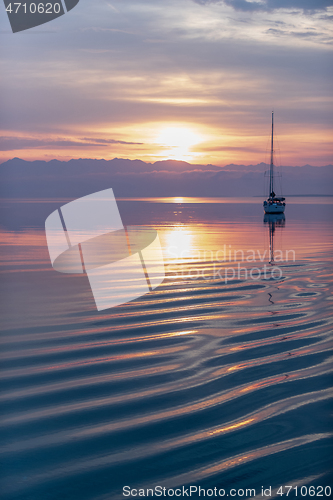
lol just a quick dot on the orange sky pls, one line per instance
(186, 80)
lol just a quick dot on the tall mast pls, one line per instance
(272, 159)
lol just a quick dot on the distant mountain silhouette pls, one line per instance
(74, 178)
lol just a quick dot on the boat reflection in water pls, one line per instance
(273, 221)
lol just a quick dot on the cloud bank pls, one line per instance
(111, 78)
(75, 178)
(271, 5)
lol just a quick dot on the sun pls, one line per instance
(177, 141)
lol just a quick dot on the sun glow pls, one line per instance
(179, 244)
(178, 141)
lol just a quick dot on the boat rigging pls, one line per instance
(274, 204)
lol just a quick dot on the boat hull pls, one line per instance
(273, 208)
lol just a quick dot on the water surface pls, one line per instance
(212, 380)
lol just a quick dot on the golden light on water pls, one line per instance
(179, 243)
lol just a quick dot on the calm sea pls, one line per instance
(220, 378)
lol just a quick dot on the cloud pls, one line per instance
(308, 35)
(112, 141)
(104, 84)
(299, 4)
(270, 5)
(248, 149)
(18, 143)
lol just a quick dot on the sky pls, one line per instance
(193, 80)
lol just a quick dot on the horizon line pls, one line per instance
(163, 161)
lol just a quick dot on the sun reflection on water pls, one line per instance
(179, 243)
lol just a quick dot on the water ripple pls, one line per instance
(198, 382)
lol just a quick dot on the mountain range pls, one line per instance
(78, 177)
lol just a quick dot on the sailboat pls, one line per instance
(274, 204)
